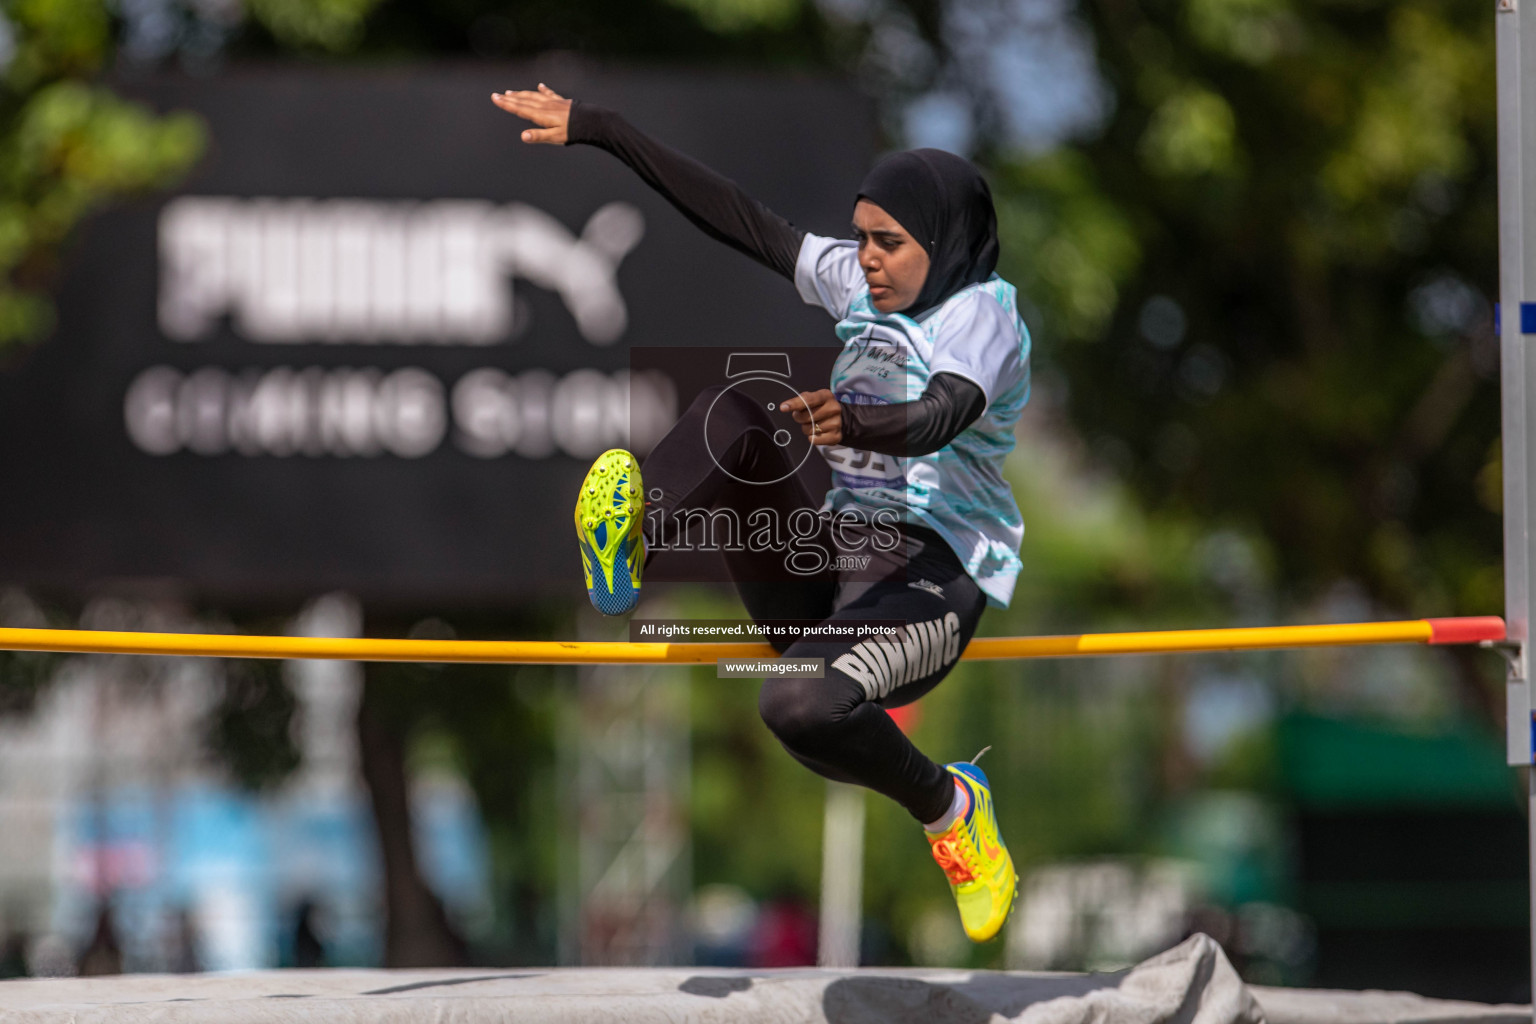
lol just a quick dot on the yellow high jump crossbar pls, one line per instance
(1471, 630)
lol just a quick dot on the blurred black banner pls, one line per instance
(374, 341)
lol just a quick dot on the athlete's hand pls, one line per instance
(545, 108)
(819, 414)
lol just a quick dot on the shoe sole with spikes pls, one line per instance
(610, 510)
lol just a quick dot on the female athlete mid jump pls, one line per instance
(924, 395)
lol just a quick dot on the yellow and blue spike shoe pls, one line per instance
(973, 856)
(609, 513)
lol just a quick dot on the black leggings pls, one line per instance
(842, 573)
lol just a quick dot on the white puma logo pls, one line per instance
(374, 271)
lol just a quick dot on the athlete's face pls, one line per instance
(894, 264)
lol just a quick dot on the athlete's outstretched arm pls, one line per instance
(712, 202)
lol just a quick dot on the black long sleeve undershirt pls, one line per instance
(718, 207)
(714, 203)
(949, 404)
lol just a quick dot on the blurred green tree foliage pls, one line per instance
(1285, 326)
(1293, 210)
(1338, 373)
(68, 144)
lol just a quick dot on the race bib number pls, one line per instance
(854, 468)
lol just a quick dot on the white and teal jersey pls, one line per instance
(959, 490)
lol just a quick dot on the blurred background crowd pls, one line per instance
(1255, 242)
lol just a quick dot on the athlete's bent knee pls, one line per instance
(798, 712)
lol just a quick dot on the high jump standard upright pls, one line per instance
(1515, 45)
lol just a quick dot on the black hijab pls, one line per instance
(944, 203)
